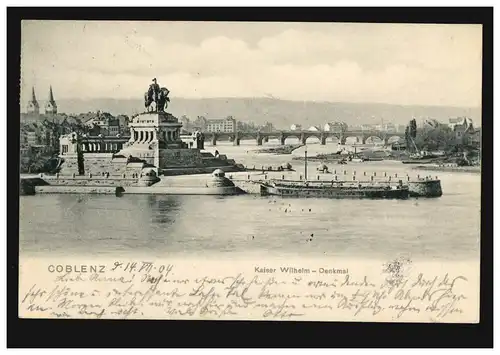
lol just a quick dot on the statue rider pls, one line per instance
(156, 90)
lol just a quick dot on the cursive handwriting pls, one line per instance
(143, 289)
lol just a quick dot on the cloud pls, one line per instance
(407, 64)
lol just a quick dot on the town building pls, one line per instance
(225, 125)
(389, 127)
(336, 127)
(296, 127)
(463, 127)
(200, 124)
(368, 127)
(266, 128)
(32, 138)
(107, 124)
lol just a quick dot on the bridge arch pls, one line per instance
(353, 140)
(292, 138)
(373, 139)
(333, 139)
(394, 139)
(313, 138)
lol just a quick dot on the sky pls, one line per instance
(405, 64)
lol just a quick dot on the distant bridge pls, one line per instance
(260, 137)
(113, 144)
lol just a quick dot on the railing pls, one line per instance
(371, 178)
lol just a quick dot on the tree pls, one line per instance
(409, 145)
(413, 128)
(439, 138)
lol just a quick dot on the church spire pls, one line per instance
(51, 95)
(51, 106)
(33, 106)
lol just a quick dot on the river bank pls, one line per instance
(451, 162)
(451, 169)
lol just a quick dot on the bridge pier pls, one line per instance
(236, 139)
(303, 138)
(259, 139)
(214, 140)
(323, 139)
(282, 139)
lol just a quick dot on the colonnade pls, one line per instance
(101, 147)
(145, 136)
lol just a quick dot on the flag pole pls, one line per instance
(305, 164)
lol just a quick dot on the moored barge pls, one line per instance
(334, 189)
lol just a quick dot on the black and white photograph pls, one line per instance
(238, 170)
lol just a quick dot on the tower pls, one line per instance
(51, 106)
(33, 106)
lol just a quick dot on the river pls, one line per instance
(446, 228)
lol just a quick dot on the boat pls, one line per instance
(356, 158)
(418, 161)
(419, 157)
(334, 188)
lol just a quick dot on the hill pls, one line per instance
(282, 113)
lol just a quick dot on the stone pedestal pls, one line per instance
(152, 132)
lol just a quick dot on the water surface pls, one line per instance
(445, 228)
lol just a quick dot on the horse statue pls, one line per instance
(163, 99)
(158, 96)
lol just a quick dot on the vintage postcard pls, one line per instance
(250, 171)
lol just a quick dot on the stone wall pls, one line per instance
(70, 165)
(26, 187)
(53, 189)
(147, 155)
(97, 164)
(217, 162)
(65, 181)
(249, 186)
(171, 158)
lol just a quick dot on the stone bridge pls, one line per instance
(113, 144)
(260, 137)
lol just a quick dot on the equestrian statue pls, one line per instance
(157, 96)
